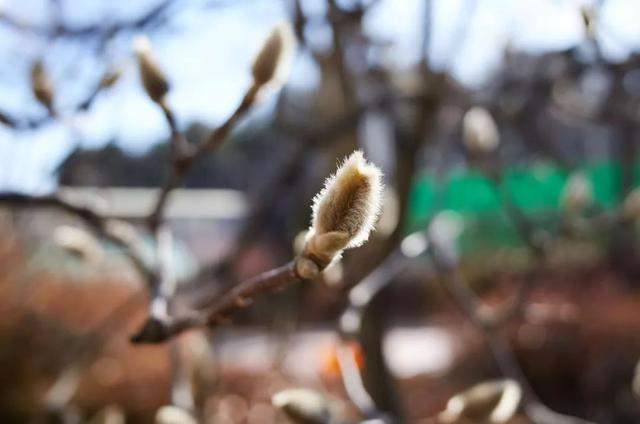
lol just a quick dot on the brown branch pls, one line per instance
(185, 157)
(157, 330)
(452, 282)
(99, 31)
(27, 123)
(93, 219)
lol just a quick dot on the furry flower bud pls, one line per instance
(480, 131)
(171, 414)
(78, 242)
(345, 211)
(490, 402)
(153, 79)
(631, 205)
(577, 193)
(273, 61)
(303, 406)
(41, 85)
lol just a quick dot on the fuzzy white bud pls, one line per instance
(170, 414)
(491, 402)
(41, 85)
(273, 61)
(577, 194)
(345, 211)
(303, 406)
(153, 79)
(479, 130)
(631, 205)
(78, 242)
(635, 385)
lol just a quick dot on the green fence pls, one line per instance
(536, 190)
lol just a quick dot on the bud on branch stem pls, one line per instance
(344, 214)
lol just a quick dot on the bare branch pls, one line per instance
(106, 81)
(186, 158)
(157, 330)
(93, 219)
(99, 31)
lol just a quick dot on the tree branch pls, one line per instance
(93, 219)
(157, 330)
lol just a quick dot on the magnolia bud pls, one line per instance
(443, 233)
(635, 385)
(303, 406)
(111, 414)
(153, 79)
(589, 18)
(491, 402)
(78, 242)
(631, 205)
(480, 131)
(170, 414)
(345, 211)
(41, 85)
(273, 62)
(577, 193)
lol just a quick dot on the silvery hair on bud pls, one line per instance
(153, 79)
(348, 205)
(274, 59)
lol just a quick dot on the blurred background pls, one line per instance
(508, 133)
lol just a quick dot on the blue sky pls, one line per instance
(207, 55)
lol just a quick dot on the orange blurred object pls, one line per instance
(331, 364)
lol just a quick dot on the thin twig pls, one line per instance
(93, 219)
(185, 158)
(26, 123)
(157, 330)
(453, 283)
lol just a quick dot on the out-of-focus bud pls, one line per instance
(153, 79)
(631, 205)
(577, 194)
(303, 406)
(41, 85)
(443, 233)
(170, 414)
(479, 131)
(588, 14)
(273, 62)
(635, 385)
(299, 241)
(345, 211)
(78, 242)
(414, 244)
(491, 402)
(390, 213)
(200, 365)
(110, 78)
(111, 414)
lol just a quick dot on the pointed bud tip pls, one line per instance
(141, 44)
